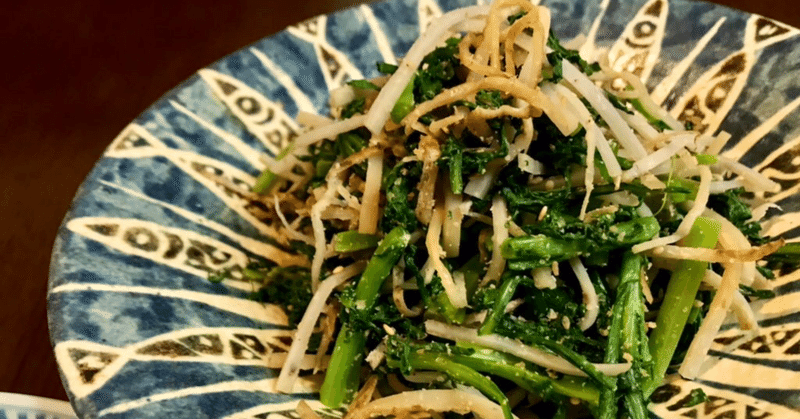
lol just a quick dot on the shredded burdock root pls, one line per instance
(495, 224)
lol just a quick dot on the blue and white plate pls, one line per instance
(20, 406)
(138, 330)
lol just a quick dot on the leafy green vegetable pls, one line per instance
(516, 16)
(787, 257)
(678, 300)
(730, 205)
(547, 229)
(453, 158)
(559, 152)
(491, 99)
(352, 241)
(439, 303)
(505, 294)
(355, 106)
(695, 397)
(322, 155)
(398, 185)
(520, 198)
(363, 85)
(267, 177)
(422, 359)
(386, 68)
(289, 288)
(652, 119)
(528, 252)
(404, 104)
(462, 161)
(560, 53)
(754, 293)
(349, 143)
(341, 381)
(438, 71)
(528, 376)
(617, 102)
(706, 159)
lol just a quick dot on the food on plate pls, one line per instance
(497, 226)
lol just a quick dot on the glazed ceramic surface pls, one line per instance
(139, 331)
(19, 406)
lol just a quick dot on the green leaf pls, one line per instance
(756, 294)
(491, 99)
(363, 85)
(706, 159)
(730, 205)
(289, 288)
(560, 53)
(356, 106)
(404, 104)
(516, 16)
(695, 397)
(386, 68)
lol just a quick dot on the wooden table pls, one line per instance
(74, 76)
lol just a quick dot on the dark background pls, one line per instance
(73, 76)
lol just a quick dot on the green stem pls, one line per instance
(461, 373)
(633, 340)
(267, 177)
(624, 332)
(340, 384)
(577, 360)
(404, 104)
(678, 300)
(380, 265)
(442, 304)
(515, 370)
(352, 240)
(788, 254)
(506, 293)
(344, 366)
(535, 251)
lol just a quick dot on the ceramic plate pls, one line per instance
(18, 406)
(138, 330)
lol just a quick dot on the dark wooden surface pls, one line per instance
(73, 76)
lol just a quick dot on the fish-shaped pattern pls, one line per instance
(336, 67)
(89, 365)
(269, 314)
(181, 249)
(759, 375)
(265, 119)
(638, 48)
(665, 86)
(247, 152)
(255, 246)
(779, 343)
(224, 180)
(711, 97)
(672, 400)
(746, 143)
(783, 166)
